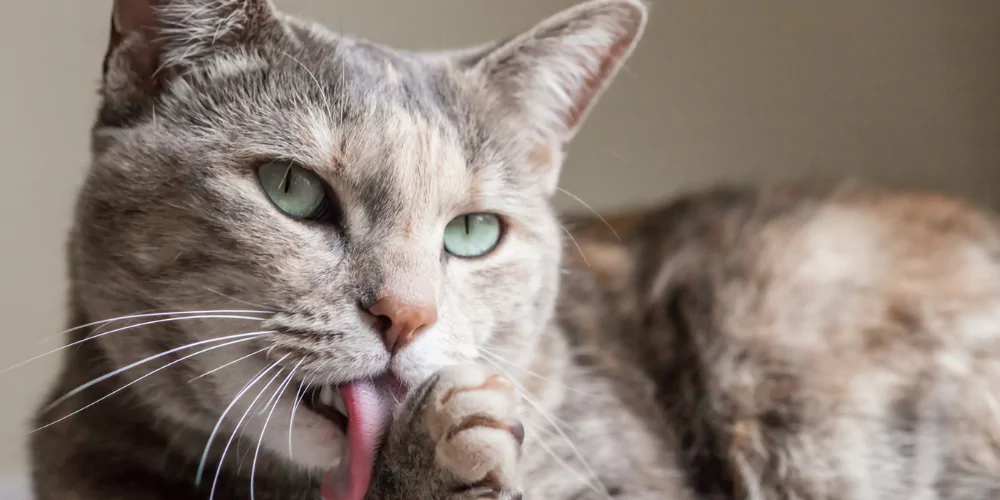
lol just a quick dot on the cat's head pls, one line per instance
(384, 212)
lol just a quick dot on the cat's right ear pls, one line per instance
(153, 40)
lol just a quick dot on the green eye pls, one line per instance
(294, 190)
(472, 235)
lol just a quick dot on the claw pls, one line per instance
(517, 429)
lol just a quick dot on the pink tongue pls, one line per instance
(368, 415)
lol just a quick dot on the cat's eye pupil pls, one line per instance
(472, 235)
(286, 180)
(297, 191)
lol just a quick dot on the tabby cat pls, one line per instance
(337, 275)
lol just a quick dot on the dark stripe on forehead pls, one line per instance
(466, 122)
(383, 204)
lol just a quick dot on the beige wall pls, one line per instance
(905, 91)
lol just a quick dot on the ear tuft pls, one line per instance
(553, 74)
(191, 30)
(149, 36)
(152, 40)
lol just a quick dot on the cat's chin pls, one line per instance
(336, 430)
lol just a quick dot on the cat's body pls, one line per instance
(800, 344)
(807, 343)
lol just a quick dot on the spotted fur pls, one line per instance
(789, 343)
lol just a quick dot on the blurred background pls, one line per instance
(904, 92)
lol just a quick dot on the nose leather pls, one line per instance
(407, 319)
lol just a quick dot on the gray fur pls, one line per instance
(669, 365)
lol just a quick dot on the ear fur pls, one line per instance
(153, 40)
(553, 74)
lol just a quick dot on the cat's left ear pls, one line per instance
(552, 75)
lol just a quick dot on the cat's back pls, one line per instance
(806, 340)
(844, 258)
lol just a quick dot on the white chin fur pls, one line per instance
(316, 443)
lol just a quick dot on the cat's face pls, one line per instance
(246, 160)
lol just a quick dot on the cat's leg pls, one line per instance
(456, 438)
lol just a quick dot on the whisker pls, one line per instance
(276, 394)
(243, 457)
(572, 470)
(319, 86)
(250, 336)
(109, 332)
(233, 362)
(218, 423)
(241, 301)
(484, 351)
(299, 394)
(551, 419)
(600, 489)
(104, 377)
(218, 470)
(239, 440)
(576, 244)
(104, 322)
(256, 453)
(595, 212)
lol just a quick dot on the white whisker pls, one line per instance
(572, 470)
(599, 488)
(319, 86)
(222, 459)
(616, 155)
(246, 337)
(484, 351)
(233, 362)
(218, 423)
(104, 377)
(276, 394)
(595, 212)
(241, 301)
(104, 322)
(256, 453)
(109, 332)
(579, 249)
(299, 394)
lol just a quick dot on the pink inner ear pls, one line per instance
(133, 15)
(592, 83)
(128, 17)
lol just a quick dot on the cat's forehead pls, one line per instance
(400, 132)
(399, 135)
(402, 165)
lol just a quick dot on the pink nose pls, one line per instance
(406, 320)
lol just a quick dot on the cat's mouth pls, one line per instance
(327, 401)
(362, 410)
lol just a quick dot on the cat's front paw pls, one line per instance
(457, 437)
(471, 415)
